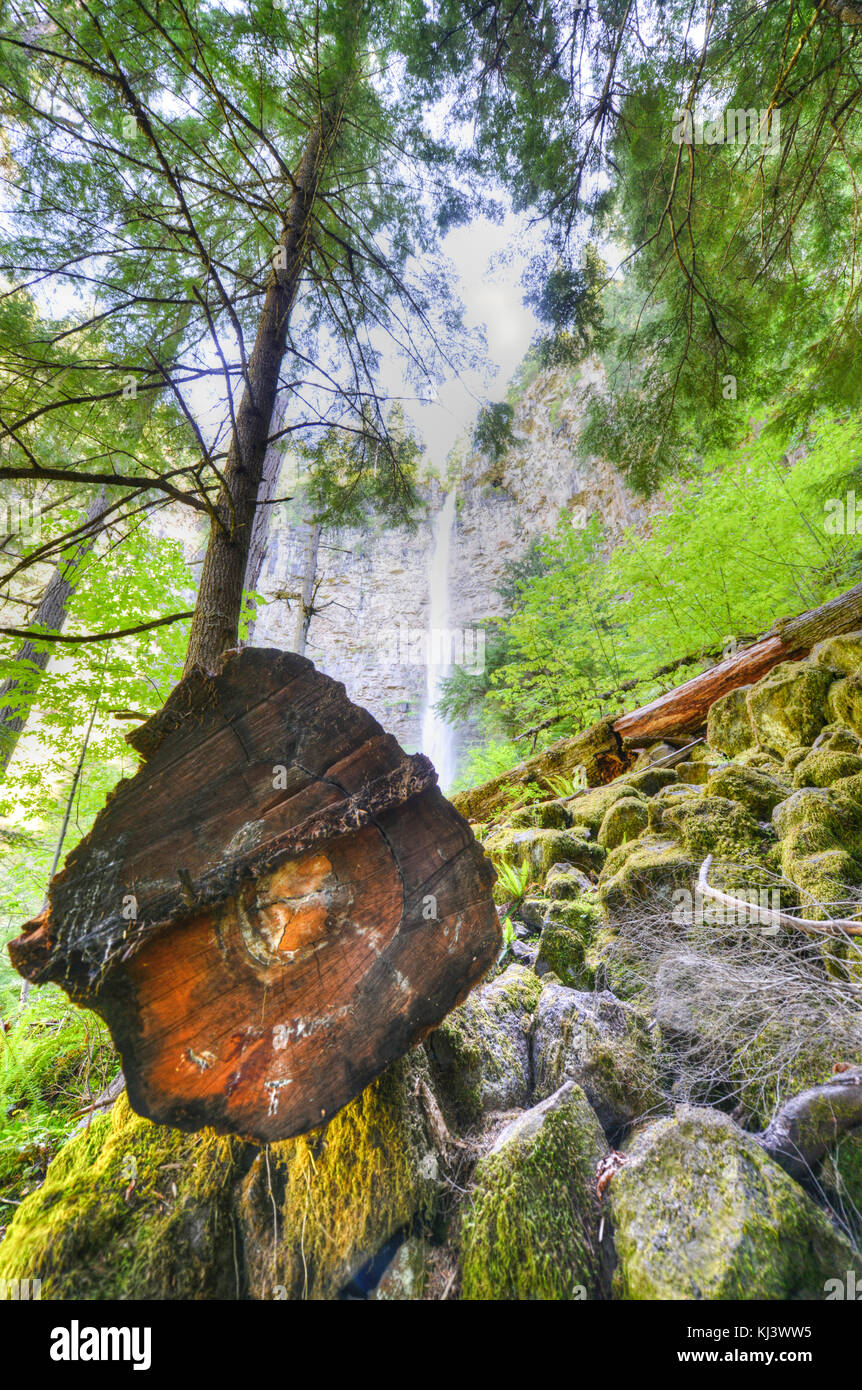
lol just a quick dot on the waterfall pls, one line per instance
(437, 739)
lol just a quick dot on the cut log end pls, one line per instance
(278, 905)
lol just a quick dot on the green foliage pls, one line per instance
(493, 434)
(54, 1060)
(744, 543)
(514, 879)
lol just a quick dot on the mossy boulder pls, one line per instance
(530, 1225)
(837, 738)
(532, 912)
(131, 1210)
(718, 826)
(649, 780)
(566, 935)
(788, 705)
(701, 1212)
(653, 754)
(648, 868)
(820, 832)
(841, 1175)
(624, 821)
(480, 1054)
(756, 791)
(845, 702)
(603, 1044)
(728, 727)
(591, 808)
(822, 767)
(540, 850)
(840, 653)
(566, 881)
(543, 815)
(337, 1195)
(693, 773)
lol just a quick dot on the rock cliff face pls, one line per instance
(374, 584)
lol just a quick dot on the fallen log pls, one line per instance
(604, 750)
(276, 906)
(684, 710)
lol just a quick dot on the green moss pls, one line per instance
(822, 767)
(313, 1210)
(530, 1225)
(700, 1211)
(836, 738)
(566, 934)
(718, 826)
(590, 809)
(130, 1209)
(845, 702)
(480, 1052)
(756, 791)
(648, 780)
(694, 773)
(541, 849)
(624, 821)
(545, 815)
(728, 727)
(647, 868)
(841, 653)
(788, 706)
(566, 882)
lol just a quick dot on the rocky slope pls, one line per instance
(598, 1119)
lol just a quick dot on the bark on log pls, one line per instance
(275, 907)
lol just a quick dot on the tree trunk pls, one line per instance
(51, 614)
(53, 609)
(260, 530)
(215, 624)
(306, 597)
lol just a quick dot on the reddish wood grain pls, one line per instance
(307, 905)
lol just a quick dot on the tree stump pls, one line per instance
(275, 907)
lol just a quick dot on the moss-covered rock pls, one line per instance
(845, 702)
(756, 791)
(532, 912)
(718, 826)
(649, 780)
(700, 1211)
(694, 773)
(337, 1195)
(566, 934)
(590, 810)
(822, 767)
(480, 1053)
(604, 1045)
(841, 1175)
(820, 830)
(541, 849)
(542, 815)
(647, 868)
(131, 1210)
(788, 705)
(837, 738)
(653, 754)
(728, 727)
(530, 1225)
(624, 821)
(566, 881)
(841, 653)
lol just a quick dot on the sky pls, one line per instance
(493, 299)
